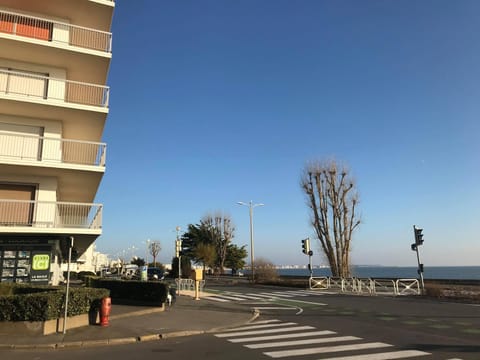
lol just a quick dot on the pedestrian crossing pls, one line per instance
(230, 296)
(277, 339)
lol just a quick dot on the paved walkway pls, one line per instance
(130, 324)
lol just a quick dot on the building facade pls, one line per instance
(54, 62)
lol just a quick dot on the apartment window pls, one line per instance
(21, 141)
(25, 26)
(17, 204)
(21, 82)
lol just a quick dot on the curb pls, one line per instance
(123, 341)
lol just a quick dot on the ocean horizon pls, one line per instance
(367, 271)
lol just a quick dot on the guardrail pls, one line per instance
(55, 31)
(50, 214)
(33, 85)
(370, 286)
(40, 148)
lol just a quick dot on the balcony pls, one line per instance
(49, 215)
(55, 32)
(51, 150)
(31, 85)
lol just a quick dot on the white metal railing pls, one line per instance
(408, 287)
(55, 31)
(371, 286)
(188, 284)
(50, 214)
(22, 83)
(319, 282)
(39, 148)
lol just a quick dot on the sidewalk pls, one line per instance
(130, 324)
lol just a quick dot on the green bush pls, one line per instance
(132, 291)
(41, 303)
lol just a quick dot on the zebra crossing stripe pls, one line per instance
(265, 321)
(275, 295)
(275, 308)
(303, 342)
(325, 349)
(229, 297)
(258, 332)
(292, 292)
(403, 354)
(283, 336)
(244, 296)
(261, 296)
(214, 298)
(262, 326)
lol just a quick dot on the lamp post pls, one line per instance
(251, 205)
(178, 248)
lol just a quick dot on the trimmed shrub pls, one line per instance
(132, 291)
(36, 303)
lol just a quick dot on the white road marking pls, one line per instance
(275, 295)
(283, 336)
(261, 326)
(384, 356)
(303, 342)
(292, 292)
(265, 322)
(262, 296)
(228, 297)
(325, 349)
(216, 299)
(275, 308)
(244, 296)
(305, 302)
(258, 332)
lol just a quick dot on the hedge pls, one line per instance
(37, 303)
(132, 291)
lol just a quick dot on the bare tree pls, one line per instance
(221, 230)
(154, 248)
(332, 197)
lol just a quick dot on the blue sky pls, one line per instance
(215, 102)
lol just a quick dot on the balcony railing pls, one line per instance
(50, 215)
(48, 149)
(22, 83)
(55, 31)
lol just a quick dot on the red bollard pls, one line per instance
(105, 311)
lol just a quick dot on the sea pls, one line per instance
(430, 272)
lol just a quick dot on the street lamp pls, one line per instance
(251, 205)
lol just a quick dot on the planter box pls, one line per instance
(43, 327)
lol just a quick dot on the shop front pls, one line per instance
(29, 260)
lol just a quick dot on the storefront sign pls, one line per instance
(40, 267)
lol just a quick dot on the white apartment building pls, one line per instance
(54, 62)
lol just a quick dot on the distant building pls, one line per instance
(54, 61)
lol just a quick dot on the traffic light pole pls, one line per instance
(310, 253)
(420, 270)
(418, 241)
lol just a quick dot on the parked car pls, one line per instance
(155, 273)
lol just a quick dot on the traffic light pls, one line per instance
(178, 248)
(306, 246)
(418, 236)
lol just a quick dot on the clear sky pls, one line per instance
(215, 102)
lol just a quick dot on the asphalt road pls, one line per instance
(296, 324)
